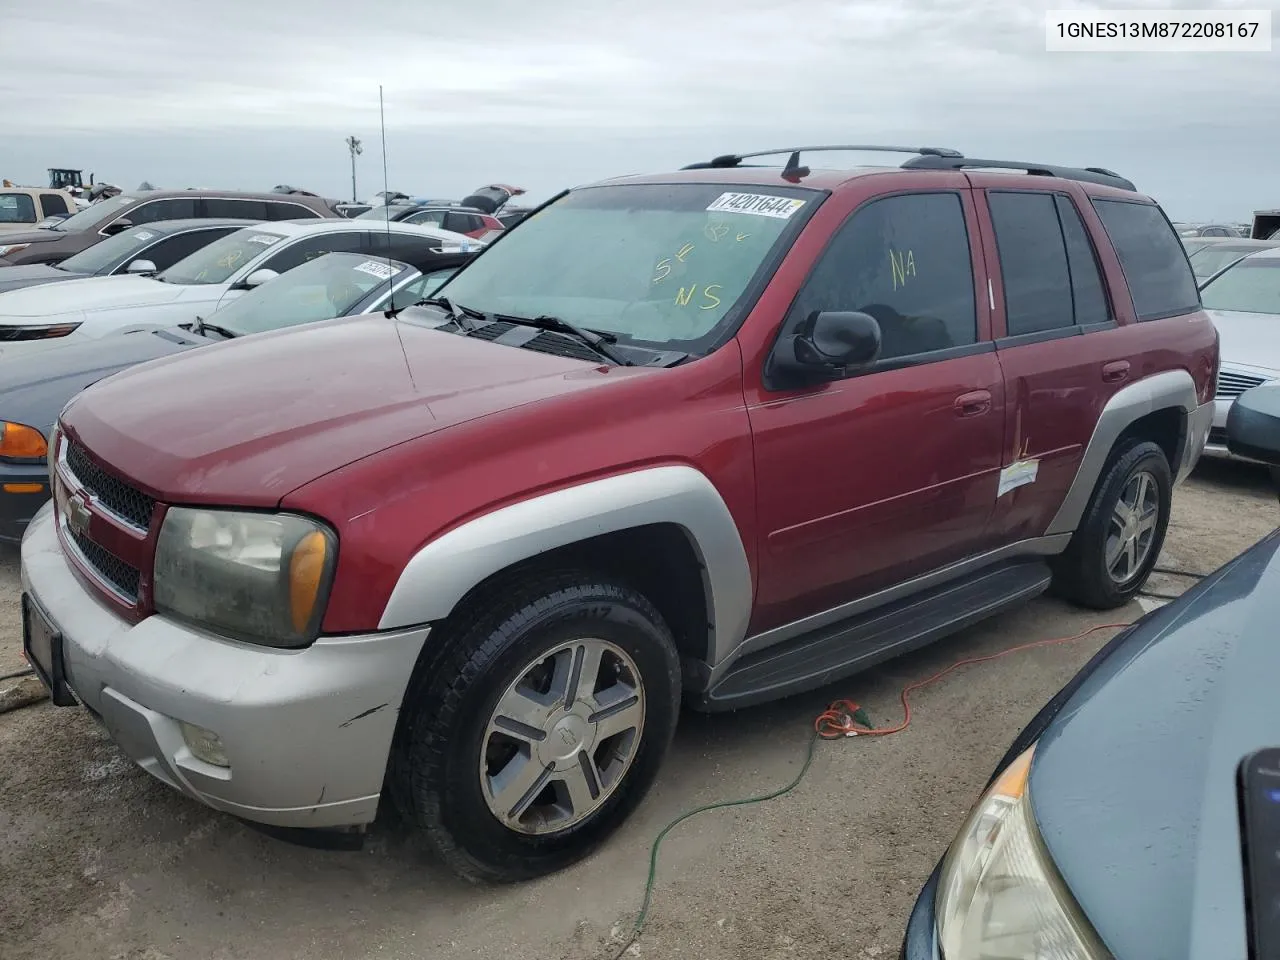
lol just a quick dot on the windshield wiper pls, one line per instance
(202, 325)
(457, 313)
(599, 342)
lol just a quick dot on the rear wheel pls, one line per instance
(1121, 533)
(539, 728)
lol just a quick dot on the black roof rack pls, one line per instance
(793, 167)
(1099, 175)
(927, 158)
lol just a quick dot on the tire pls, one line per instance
(1083, 573)
(458, 769)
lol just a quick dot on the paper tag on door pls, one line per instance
(1017, 475)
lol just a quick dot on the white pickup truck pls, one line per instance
(21, 208)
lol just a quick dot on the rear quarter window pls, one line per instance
(1152, 258)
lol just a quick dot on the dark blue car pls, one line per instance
(1110, 828)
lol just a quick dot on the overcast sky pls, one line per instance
(252, 93)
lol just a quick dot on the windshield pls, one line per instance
(17, 208)
(1251, 285)
(107, 254)
(94, 214)
(653, 263)
(220, 259)
(321, 289)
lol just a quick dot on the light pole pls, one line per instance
(353, 145)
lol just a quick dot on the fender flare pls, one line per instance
(1171, 389)
(442, 571)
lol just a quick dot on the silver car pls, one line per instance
(1244, 302)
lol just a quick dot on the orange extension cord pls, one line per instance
(838, 720)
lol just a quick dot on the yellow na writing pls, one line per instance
(902, 264)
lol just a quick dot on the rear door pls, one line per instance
(890, 472)
(1060, 347)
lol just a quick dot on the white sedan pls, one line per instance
(38, 318)
(1244, 303)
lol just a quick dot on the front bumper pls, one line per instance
(17, 509)
(306, 732)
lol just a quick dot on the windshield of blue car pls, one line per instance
(1251, 285)
(220, 259)
(17, 208)
(107, 254)
(662, 264)
(328, 286)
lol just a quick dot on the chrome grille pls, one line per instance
(1232, 384)
(115, 495)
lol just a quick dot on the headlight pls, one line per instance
(39, 331)
(258, 577)
(12, 248)
(20, 442)
(999, 894)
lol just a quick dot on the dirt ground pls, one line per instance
(98, 860)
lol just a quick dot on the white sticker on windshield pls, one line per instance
(760, 204)
(380, 270)
(143, 235)
(266, 239)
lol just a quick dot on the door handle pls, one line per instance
(1115, 370)
(973, 404)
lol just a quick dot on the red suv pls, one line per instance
(707, 437)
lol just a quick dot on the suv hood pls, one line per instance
(1133, 783)
(1252, 339)
(86, 294)
(246, 422)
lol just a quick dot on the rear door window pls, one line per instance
(52, 203)
(905, 260)
(347, 241)
(1048, 269)
(289, 211)
(177, 208)
(1152, 258)
(234, 209)
(1033, 262)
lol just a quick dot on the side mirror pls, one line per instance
(141, 266)
(1253, 427)
(117, 226)
(257, 279)
(827, 345)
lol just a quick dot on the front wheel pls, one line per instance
(539, 728)
(1120, 535)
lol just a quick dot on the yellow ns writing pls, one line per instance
(686, 294)
(902, 265)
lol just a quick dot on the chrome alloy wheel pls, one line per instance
(1132, 529)
(562, 737)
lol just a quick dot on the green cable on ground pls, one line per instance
(643, 916)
